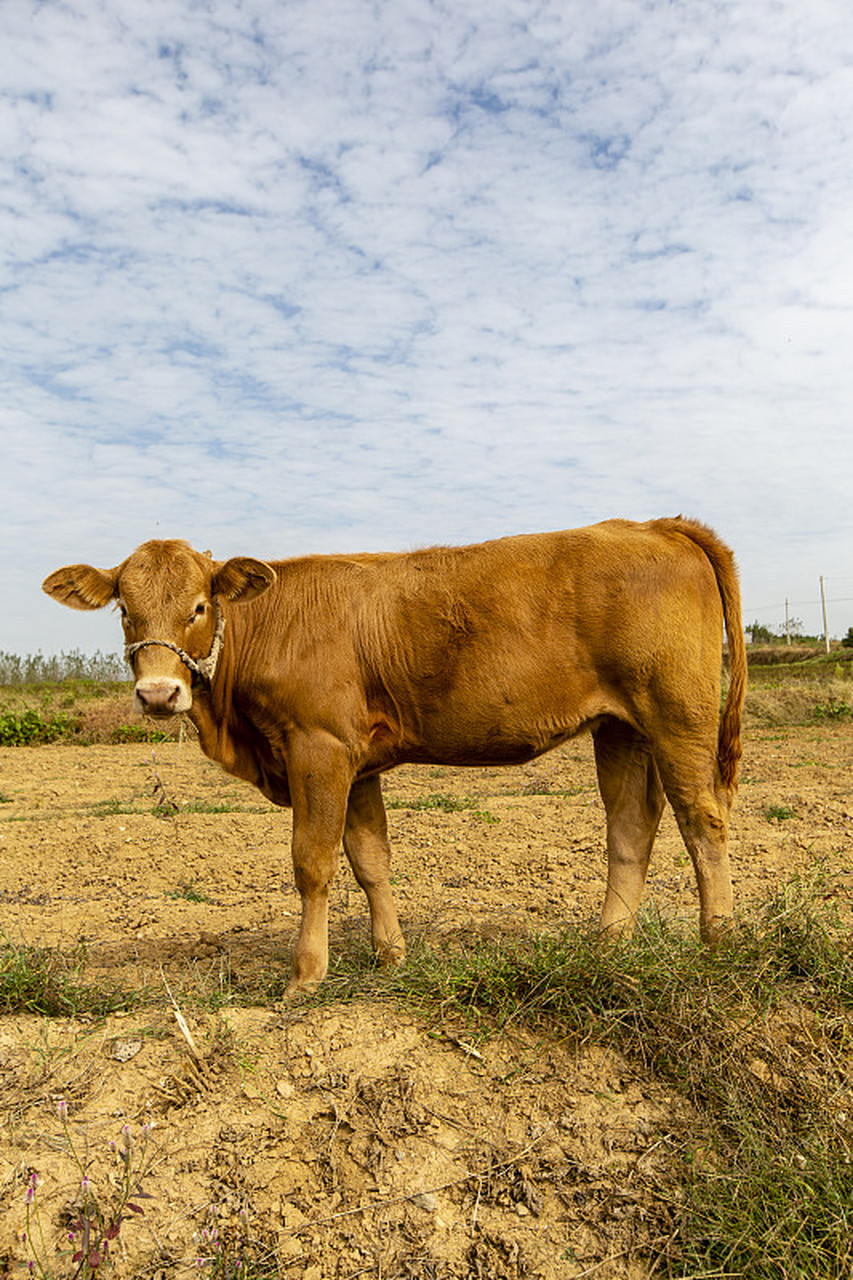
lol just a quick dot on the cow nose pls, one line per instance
(160, 697)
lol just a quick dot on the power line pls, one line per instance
(799, 603)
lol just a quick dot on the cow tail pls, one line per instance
(729, 748)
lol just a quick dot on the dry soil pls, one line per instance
(351, 1138)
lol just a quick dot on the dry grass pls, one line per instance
(781, 702)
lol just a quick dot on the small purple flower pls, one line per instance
(62, 1110)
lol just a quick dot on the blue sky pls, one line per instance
(281, 276)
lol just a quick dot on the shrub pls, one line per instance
(31, 728)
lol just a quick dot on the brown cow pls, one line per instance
(311, 677)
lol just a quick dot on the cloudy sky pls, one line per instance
(283, 276)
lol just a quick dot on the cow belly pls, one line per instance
(489, 748)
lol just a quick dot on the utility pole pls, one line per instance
(787, 625)
(823, 607)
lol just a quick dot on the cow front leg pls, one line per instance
(319, 774)
(369, 852)
(633, 802)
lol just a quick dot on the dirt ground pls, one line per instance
(347, 1139)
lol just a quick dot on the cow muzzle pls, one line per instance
(161, 696)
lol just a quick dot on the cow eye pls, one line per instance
(199, 611)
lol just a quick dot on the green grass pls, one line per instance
(187, 892)
(778, 812)
(766, 1173)
(443, 804)
(41, 981)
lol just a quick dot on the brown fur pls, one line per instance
(335, 669)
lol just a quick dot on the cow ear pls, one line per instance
(241, 579)
(82, 587)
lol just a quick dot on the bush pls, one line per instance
(31, 728)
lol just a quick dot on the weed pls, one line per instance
(34, 980)
(233, 1252)
(225, 806)
(112, 808)
(778, 812)
(94, 1225)
(444, 804)
(774, 1111)
(833, 709)
(187, 891)
(536, 787)
(164, 804)
(137, 733)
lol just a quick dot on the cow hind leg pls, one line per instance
(701, 804)
(633, 802)
(367, 848)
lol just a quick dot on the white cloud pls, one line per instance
(290, 276)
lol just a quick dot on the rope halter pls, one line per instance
(202, 669)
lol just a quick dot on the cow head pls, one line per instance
(170, 601)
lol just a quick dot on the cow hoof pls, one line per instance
(715, 931)
(301, 987)
(612, 936)
(388, 954)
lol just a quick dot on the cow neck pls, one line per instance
(201, 669)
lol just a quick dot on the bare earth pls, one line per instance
(349, 1139)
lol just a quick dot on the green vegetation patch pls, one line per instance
(778, 812)
(444, 804)
(756, 1036)
(31, 728)
(187, 892)
(37, 980)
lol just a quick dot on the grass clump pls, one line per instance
(37, 980)
(444, 804)
(756, 1036)
(778, 812)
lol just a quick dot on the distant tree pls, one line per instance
(795, 629)
(760, 634)
(848, 639)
